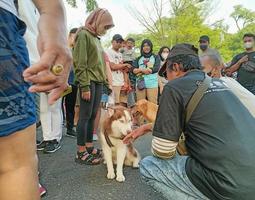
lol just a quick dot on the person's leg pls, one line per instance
(169, 178)
(45, 116)
(56, 120)
(70, 101)
(123, 98)
(86, 109)
(18, 161)
(116, 92)
(96, 124)
(77, 108)
(140, 94)
(18, 168)
(152, 95)
(95, 106)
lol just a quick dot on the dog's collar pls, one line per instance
(108, 141)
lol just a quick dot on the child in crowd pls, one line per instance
(128, 54)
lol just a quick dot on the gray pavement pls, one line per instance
(66, 180)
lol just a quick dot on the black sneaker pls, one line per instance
(41, 145)
(71, 133)
(52, 146)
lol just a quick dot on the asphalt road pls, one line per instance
(66, 180)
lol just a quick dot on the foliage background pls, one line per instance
(186, 22)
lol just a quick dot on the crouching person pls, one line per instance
(220, 161)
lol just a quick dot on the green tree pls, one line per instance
(242, 16)
(90, 4)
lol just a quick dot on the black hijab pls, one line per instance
(146, 55)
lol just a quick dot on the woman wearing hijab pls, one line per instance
(90, 73)
(146, 67)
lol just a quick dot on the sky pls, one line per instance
(125, 23)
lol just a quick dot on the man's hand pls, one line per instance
(137, 133)
(243, 59)
(128, 66)
(86, 95)
(53, 49)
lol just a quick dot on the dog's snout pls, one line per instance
(128, 132)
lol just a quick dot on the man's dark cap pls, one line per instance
(117, 37)
(177, 50)
(204, 38)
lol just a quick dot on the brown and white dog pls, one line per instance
(114, 128)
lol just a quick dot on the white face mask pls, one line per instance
(248, 45)
(164, 55)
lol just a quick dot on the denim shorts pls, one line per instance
(17, 106)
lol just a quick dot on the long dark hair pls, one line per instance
(161, 50)
(146, 41)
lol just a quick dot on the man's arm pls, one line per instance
(168, 124)
(237, 65)
(53, 49)
(116, 67)
(163, 148)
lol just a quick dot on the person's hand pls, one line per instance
(125, 86)
(132, 136)
(128, 66)
(137, 133)
(86, 96)
(53, 49)
(243, 59)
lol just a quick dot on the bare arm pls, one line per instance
(109, 74)
(236, 66)
(116, 67)
(53, 49)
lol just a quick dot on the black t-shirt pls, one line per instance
(246, 72)
(220, 137)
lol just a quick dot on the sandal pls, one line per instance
(95, 151)
(84, 158)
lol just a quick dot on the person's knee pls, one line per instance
(18, 151)
(147, 167)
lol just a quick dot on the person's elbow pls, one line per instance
(164, 149)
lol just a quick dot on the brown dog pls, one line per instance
(149, 112)
(147, 109)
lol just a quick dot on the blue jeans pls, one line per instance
(17, 106)
(169, 178)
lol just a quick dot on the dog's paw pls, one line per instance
(120, 178)
(110, 175)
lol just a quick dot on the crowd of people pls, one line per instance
(220, 146)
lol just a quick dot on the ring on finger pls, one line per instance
(57, 69)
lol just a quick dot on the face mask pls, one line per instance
(248, 45)
(164, 55)
(203, 47)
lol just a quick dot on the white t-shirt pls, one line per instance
(30, 15)
(117, 76)
(9, 6)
